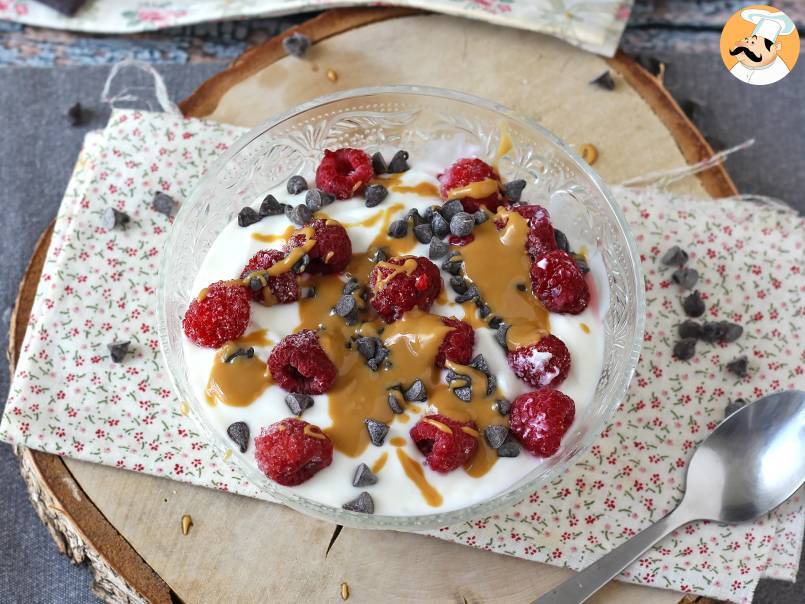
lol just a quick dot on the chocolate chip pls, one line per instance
(427, 215)
(381, 352)
(298, 403)
(453, 264)
(256, 284)
(439, 225)
(118, 351)
(509, 449)
(367, 346)
(739, 366)
(561, 240)
(379, 164)
(271, 207)
(347, 308)
(675, 256)
(299, 215)
(459, 284)
(461, 224)
(521, 287)
(240, 352)
(471, 294)
(437, 249)
(451, 208)
(377, 431)
(394, 401)
(479, 362)
(483, 310)
(300, 265)
(308, 291)
(513, 190)
(480, 217)
(398, 163)
(423, 233)
(112, 219)
(247, 217)
(693, 305)
(296, 45)
(239, 433)
(398, 229)
(318, 198)
(581, 262)
(732, 407)
(350, 286)
(363, 503)
(415, 217)
(685, 277)
(464, 393)
(503, 406)
(164, 204)
(77, 115)
(496, 435)
(690, 329)
(379, 255)
(685, 348)
(604, 81)
(296, 184)
(495, 322)
(501, 334)
(416, 392)
(363, 476)
(375, 194)
(732, 332)
(713, 331)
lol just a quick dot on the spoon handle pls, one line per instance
(581, 586)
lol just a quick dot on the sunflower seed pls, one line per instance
(239, 433)
(363, 476)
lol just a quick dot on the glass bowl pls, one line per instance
(406, 116)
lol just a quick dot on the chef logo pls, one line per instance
(759, 45)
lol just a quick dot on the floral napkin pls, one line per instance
(68, 398)
(595, 25)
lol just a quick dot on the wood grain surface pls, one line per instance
(239, 549)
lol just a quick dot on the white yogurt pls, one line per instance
(394, 493)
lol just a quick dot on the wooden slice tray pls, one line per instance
(127, 525)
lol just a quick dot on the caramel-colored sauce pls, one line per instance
(392, 183)
(255, 338)
(585, 328)
(384, 215)
(476, 190)
(416, 474)
(504, 146)
(380, 462)
(272, 237)
(237, 383)
(292, 257)
(398, 441)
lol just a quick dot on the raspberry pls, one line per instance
(299, 364)
(465, 172)
(344, 173)
(541, 365)
(332, 251)
(457, 344)
(219, 315)
(559, 284)
(443, 442)
(539, 420)
(283, 287)
(541, 238)
(405, 290)
(291, 451)
(460, 241)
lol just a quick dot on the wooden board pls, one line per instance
(128, 525)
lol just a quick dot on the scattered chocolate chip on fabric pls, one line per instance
(513, 190)
(501, 336)
(164, 204)
(398, 163)
(271, 207)
(733, 406)
(721, 331)
(461, 224)
(379, 255)
(451, 208)
(65, 7)
(690, 329)
(118, 351)
(604, 81)
(298, 403)
(296, 184)
(509, 449)
(379, 164)
(296, 45)
(239, 352)
(398, 229)
(416, 392)
(77, 115)
(693, 305)
(739, 366)
(438, 248)
(377, 431)
(375, 194)
(459, 284)
(675, 256)
(363, 504)
(496, 435)
(561, 240)
(239, 433)
(480, 217)
(685, 278)
(503, 406)
(423, 233)
(112, 219)
(439, 225)
(363, 476)
(248, 216)
(395, 404)
(299, 215)
(685, 349)
(732, 332)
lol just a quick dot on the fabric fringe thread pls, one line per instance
(137, 96)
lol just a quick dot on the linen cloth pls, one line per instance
(595, 25)
(68, 398)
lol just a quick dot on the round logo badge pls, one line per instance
(759, 45)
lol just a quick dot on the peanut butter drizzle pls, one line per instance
(504, 146)
(398, 441)
(416, 474)
(255, 338)
(380, 462)
(392, 182)
(292, 257)
(407, 267)
(585, 328)
(477, 190)
(272, 237)
(237, 383)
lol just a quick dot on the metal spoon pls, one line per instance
(751, 463)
